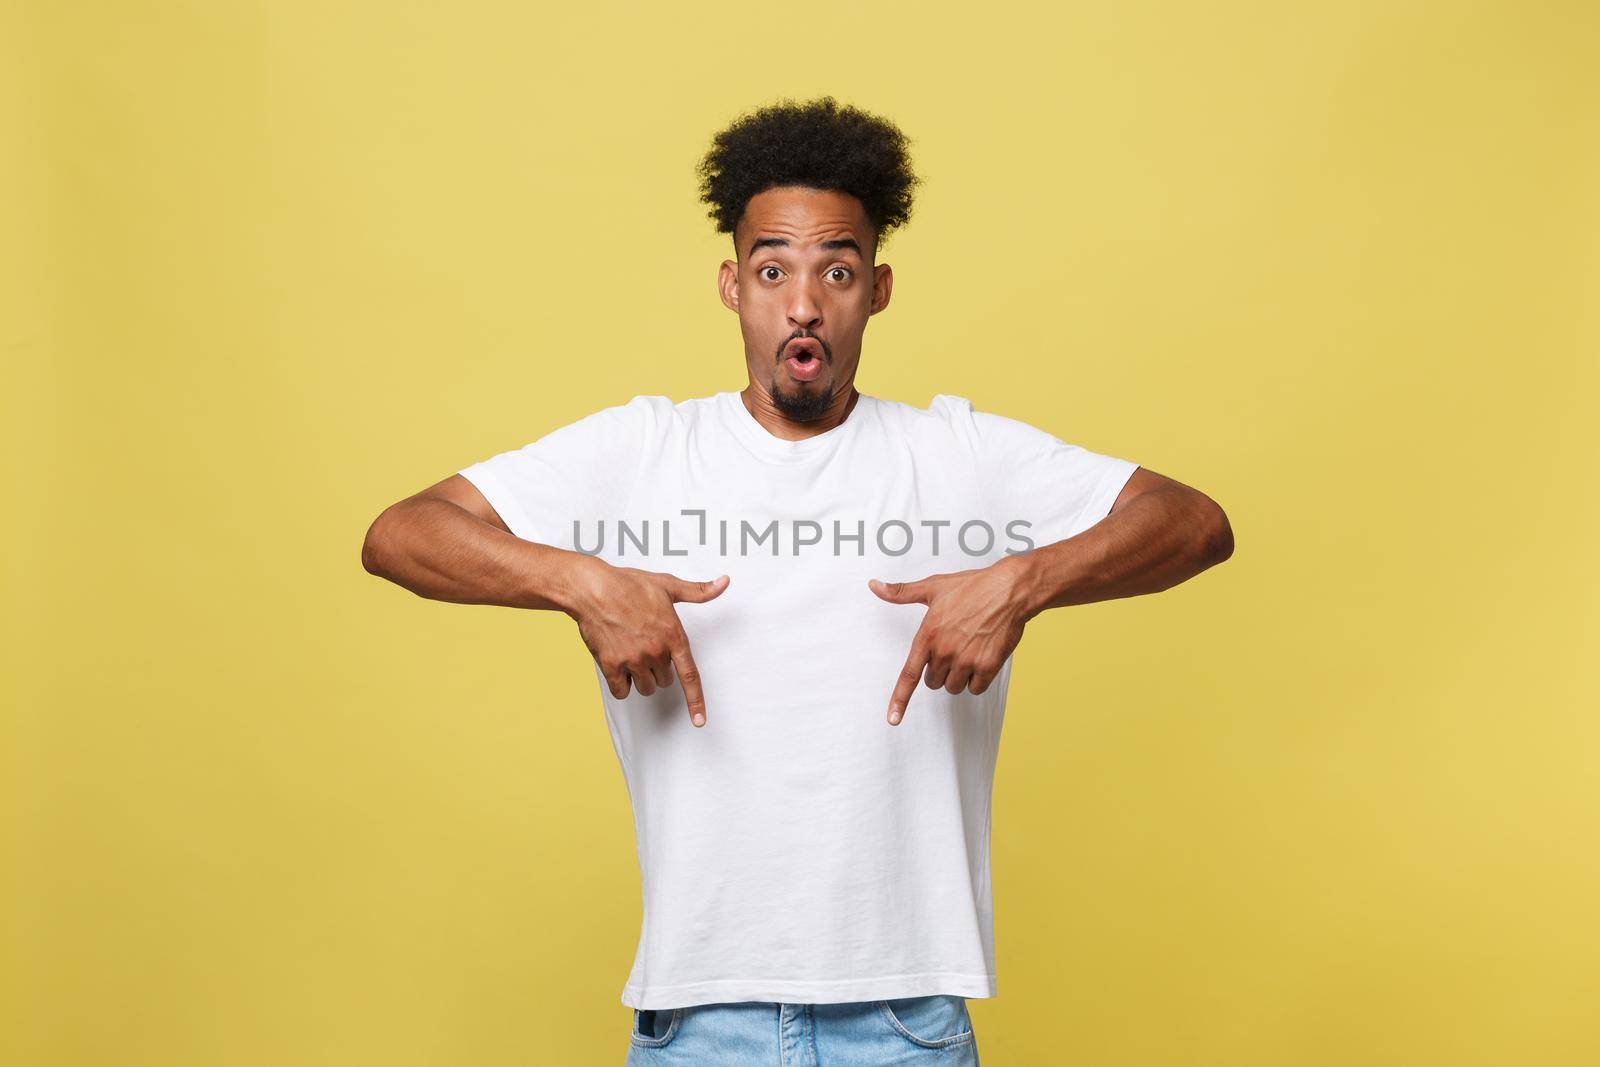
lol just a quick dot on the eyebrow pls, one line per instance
(779, 242)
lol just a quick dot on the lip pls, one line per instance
(803, 344)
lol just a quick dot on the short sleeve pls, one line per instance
(1058, 489)
(578, 472)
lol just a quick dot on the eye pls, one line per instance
(765, 275)
(841, 270)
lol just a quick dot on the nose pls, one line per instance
(805, 309)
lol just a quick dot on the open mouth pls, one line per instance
(804, 348)
(803, 357)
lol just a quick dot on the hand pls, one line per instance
(974, 621)
(627, 619)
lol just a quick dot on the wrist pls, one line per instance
(1023, 572)
(571, 580)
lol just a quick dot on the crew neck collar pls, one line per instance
(769, 446)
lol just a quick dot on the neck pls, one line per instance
(761, 408)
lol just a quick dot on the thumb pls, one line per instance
(899, 592)
(683, 591)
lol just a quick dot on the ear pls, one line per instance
(728, 284)
(882, 285)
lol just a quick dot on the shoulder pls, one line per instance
(620, 425)
(955, 417)
(944, 414)
(643, 413)
(613, 417)
(661, 416)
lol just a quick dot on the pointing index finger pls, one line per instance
(910, 675)
(689, 677)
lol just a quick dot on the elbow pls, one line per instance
(1219, 534)
(374, 546)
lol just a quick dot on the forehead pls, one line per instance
(802, 216)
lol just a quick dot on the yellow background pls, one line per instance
(272, 266)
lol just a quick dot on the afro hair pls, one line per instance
(820, 144)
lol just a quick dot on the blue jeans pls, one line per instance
(867, 1033)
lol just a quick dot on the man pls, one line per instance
(813, 827)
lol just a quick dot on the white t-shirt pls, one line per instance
(797, 847)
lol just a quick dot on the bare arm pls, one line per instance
(1159, 533)
(447, 543)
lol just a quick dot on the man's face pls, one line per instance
(804, 285)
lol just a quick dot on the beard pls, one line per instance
(803, 406)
